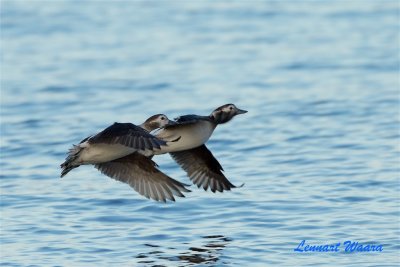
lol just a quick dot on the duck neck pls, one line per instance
(220, 118)
(148, 126)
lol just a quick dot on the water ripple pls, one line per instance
(318, 150)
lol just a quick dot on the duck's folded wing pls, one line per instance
(202, 168)
(142, 175)
(186, 120)
(127, 134)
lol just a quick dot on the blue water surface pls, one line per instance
(318, 150)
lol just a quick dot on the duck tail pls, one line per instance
(69, 162)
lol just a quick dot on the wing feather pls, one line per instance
(142, 175)
(203, 169)
(127, 134)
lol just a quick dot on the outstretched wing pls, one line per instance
(202, 168)
(142, 175)
(127, 134)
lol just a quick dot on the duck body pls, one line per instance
(99, 153)
(117, 141)
(189, 131)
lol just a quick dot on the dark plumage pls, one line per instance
(203, 168)
(129, 135)
(142, 174)
(186, 120)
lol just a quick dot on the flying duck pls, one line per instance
(189, 150)
(123, 152)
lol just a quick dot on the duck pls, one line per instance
(189, 151)
(124, 151)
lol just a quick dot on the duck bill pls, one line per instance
(240, 111)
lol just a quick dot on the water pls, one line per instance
(318, 150)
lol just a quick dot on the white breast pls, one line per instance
(98, 153)
(191, 136)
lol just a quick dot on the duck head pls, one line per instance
(225, 113)
(155, 122)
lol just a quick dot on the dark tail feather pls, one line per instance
(69, 163)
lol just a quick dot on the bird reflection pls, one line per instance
(209, 253)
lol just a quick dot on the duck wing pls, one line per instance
(203, 168)
(127, 134)
(142, 174)
(186, 120)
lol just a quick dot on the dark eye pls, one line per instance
(162, 118)
(230, 108)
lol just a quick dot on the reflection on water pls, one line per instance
(209, 253)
